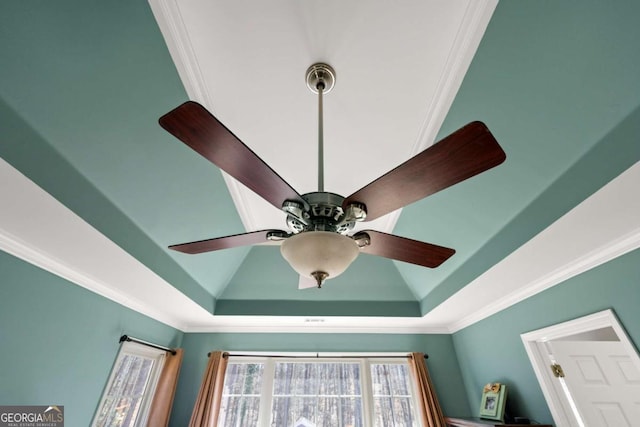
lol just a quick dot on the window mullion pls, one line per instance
(367, 392)
(266, 398)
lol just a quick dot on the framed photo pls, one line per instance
(494, 397)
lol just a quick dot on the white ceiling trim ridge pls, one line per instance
(342, 325)
(37, 228)
(169, 18)
(39, 220)
(601, 228)
(32, 223)
(472, 28)
(589, 261)
(47, 262)
(167, 13)
(470, 33)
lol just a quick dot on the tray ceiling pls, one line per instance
(98, 190)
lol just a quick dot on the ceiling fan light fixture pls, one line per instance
(311, 253)
(317, 246)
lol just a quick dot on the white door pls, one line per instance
(603, 381)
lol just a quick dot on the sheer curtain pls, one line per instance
(427, 400)
(165, 390)
(205, 411)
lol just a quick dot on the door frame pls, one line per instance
(534, 344)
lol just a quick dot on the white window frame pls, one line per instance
(266, 392)
(130, 348)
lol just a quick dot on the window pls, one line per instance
(281, 392)
(127, 396)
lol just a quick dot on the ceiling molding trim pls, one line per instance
(388, 222)
(591, 260)
(470, 33)
(238, 191)
(176, 36)
(378, 326)
(45, 261)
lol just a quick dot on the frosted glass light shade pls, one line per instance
(323, 251)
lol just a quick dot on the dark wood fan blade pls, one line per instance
(226, 242)
(403, 249)
(461, 155)
(192, 124)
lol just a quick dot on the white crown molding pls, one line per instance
(342, 325)
(38, 229)
(472, 28)
(48, 262)
(25, 232)
(470, 33)
(169, 18)
(587, 262)
(601, 228)
(238, 194)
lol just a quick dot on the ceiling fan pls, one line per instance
(318, 244)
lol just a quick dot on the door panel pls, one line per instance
(603, 381)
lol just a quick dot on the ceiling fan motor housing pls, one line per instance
(318, 244)
(325, 213)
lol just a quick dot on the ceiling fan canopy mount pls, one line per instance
(318, 244)
(320, 75)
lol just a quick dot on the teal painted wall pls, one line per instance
(492, 350)
(442, 360)
(63, 341)
(59, 340)
(30, 153)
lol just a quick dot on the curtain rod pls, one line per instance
(148, 344)
(317, 356)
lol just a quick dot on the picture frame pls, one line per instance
(494, 397)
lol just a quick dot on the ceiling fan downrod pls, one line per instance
(320, 79)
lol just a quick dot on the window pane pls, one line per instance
(402, 411)
(305, 379)
(326, 394)
(328, 379)
(241, 395)
(327, 414)
(380, 380)
(393, 403)
(283, 378)
(239, 411)
(399, 376)
(124, 397)
(382, 412)
(243, 378)
(352, 412)
(350, 376)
